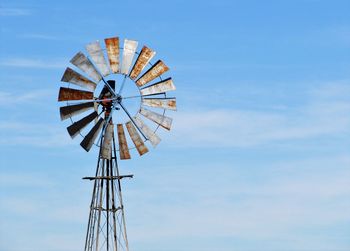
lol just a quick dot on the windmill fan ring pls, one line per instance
(98, 97)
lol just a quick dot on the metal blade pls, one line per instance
(128, 54)
(95, 51)
(73, 94)
(75, 128)
(89, 139)
(163, 121)
(112, 45)
(84, 64)
(123, 144)
(71, 76)
(153, 138)
(160, 87)
(72, 110)
(155, 71)
(142, 60)
(106, 148)
(166, 103)
(140, 146)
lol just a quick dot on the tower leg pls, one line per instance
(106, 229)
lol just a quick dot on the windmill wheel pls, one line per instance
(127, 92)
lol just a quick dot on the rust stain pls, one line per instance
(155, 71)
(169, 104)
(162, 86)
(106, 151)
(73, 94)
(145, 56)
(140, 146)
(95, 51)
(112, 45)
(71, 76)
(123, 144)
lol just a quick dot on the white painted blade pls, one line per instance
(112, 46)
(165, 103)
(84, 64)
(71, 76)
(95, 51)
(128, 55)
(134, 135)
(160, 87)
(151, 136)
(123, 144)
(163, 121)
(106, 148)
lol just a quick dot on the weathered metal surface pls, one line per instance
(128, 54)
(71, 76)
(84, 64)
(73, 94)
(112, 45)
(89, 139)
(72, 110)
(159, 87)
(155, 71)
(95, 51)
(142, 60)
(151, 136)
(123, 144)
(75, 128)
(165, 103)
(106, 148)
(140, 146)
(163, 121)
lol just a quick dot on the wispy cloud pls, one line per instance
(14, 12)
(40, 36)
(8, 98)
(33, 63)
(326, 113)
(33, 134)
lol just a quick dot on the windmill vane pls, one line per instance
(95, 99)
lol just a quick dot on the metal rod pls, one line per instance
(120, 195)
(132, 120)
(122, 86)
(109, 177)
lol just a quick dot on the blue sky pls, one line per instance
(259, 155)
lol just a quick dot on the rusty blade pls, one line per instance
(106, 148)
(75, 128)
(163, 121)
(89, 139)
(142, 60)
(72, 110)
(95, 51)
(123, 144)
(160, 87)
(155, 71)
(73, 94)
(165, 103)
(128, 54)
(140, 146)
(151, 136)
(84, 64)
(71, 76)
(112, 46)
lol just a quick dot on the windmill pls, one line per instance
(103, 98)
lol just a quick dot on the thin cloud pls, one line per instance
(14, 12)
(325, 114)
(32, 63)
